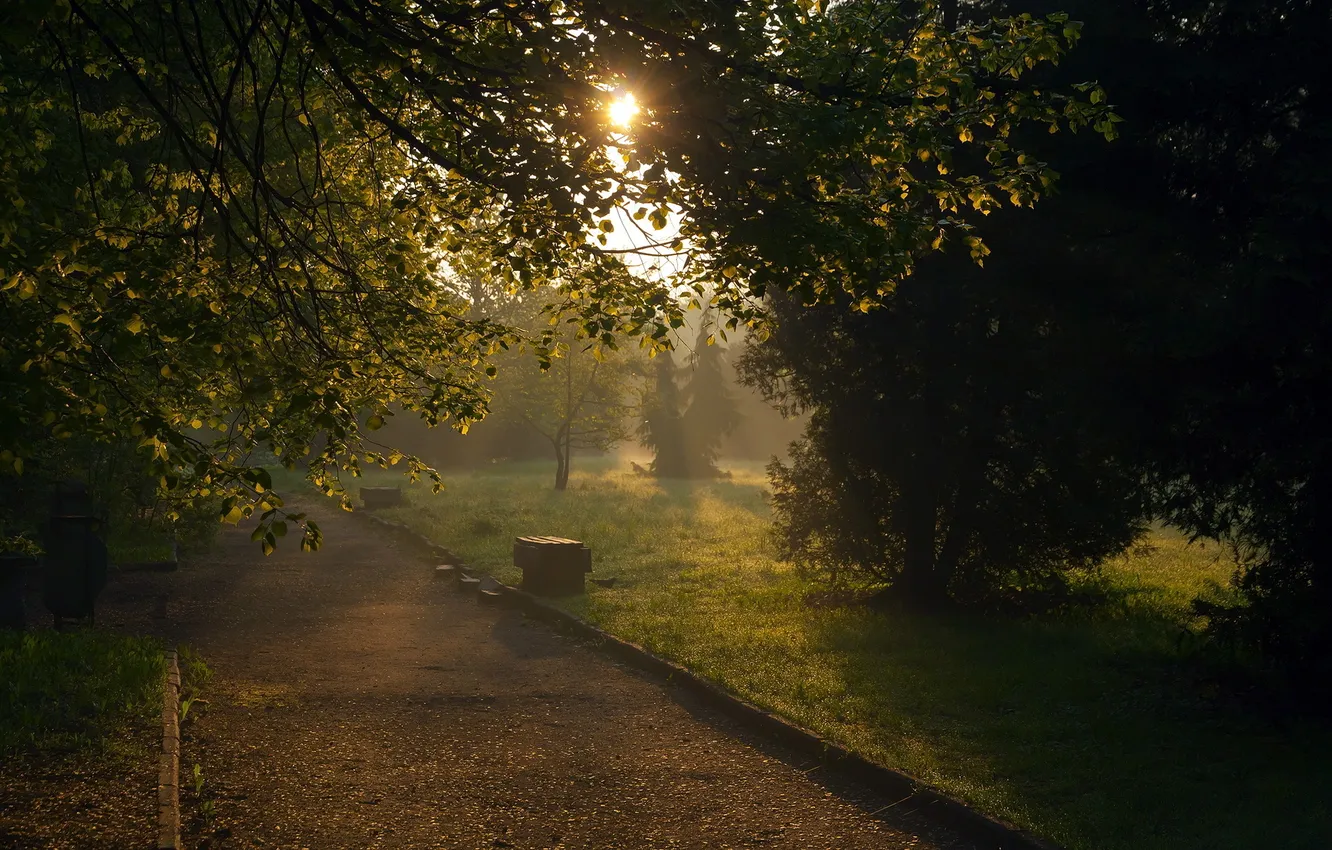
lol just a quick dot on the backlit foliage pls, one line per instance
(226, 223)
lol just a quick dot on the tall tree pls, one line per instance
(1187, 257)
(1244, 454)
(582, 401)
(711, 413)
(1212, 281)
(960, 444)
(662, 427)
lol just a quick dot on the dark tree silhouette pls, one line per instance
(662, 429)
(712, 413)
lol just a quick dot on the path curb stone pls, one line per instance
(168, 779)
(439, 551)
(913, 793)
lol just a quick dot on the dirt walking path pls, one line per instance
(357, 702)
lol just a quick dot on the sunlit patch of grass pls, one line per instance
(1167, 571)
(1095, 727)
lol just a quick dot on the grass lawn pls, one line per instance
(135, 545)
(80, 726)
(80, 691)
(1097, 730)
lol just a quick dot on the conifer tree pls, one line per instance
(662, 429)
(712, 413)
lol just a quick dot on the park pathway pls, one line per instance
(359, 703)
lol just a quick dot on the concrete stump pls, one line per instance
(380, 497)
(552, 566)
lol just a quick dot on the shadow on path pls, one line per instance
(359, 703)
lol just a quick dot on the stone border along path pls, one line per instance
(357, 701)
(912, 793)
(168, 780)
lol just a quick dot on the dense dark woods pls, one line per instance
(1150, 341)
(958, 445)
(248, 232)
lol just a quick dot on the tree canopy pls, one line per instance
(226, 220)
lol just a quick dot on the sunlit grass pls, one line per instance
(1096, 729)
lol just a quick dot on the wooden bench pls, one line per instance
(552, 566)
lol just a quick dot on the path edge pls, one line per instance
(914, 794)
(932, 803)
(168, 777)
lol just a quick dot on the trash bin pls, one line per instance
(74, 566)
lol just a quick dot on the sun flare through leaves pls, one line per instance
(623, 110)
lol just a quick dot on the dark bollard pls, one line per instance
(380, 497)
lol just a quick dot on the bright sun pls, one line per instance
(623, 110)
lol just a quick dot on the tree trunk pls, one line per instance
(920, 581)
(562, 435)
(567, 451)
(970, 486)
(561, 460)
(959, 526)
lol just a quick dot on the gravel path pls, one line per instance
(359, 703)
(59, 802)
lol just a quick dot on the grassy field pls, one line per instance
(80, 691)
(138, 546)
(1097, 729)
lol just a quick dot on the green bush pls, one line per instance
(141, 519)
